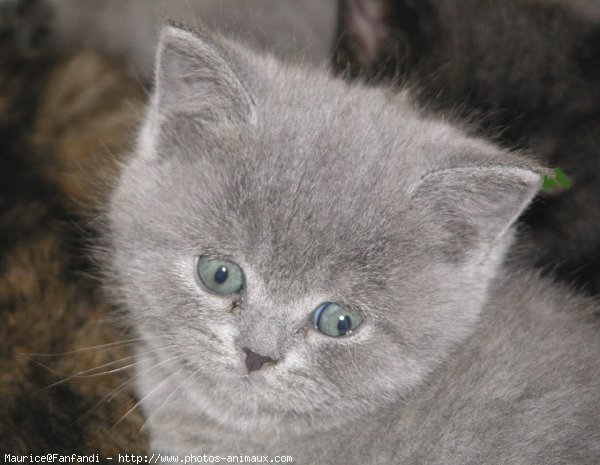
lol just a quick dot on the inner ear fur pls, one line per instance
(196, 77)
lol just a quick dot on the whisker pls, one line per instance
(164, 402)
(75, 375)
(353, 359)
(137, 375)
(189, 384)
(106, 346)
(85, 373)
(144, 398)
(109, 396)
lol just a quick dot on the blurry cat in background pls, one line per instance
(317, 270)
(527, 72)
(299, 29)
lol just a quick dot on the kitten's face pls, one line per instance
(319, 194)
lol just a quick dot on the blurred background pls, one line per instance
(75, 76)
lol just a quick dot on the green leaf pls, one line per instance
(562, 178)
(548, 183)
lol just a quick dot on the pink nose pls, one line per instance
(256, 361)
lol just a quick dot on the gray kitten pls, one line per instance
(316, 271)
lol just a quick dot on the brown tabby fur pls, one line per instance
(61, 119)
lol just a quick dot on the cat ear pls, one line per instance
(476, 206)
(375, 33)
(195, 77)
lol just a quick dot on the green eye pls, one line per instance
(333, 320)
(220, 276)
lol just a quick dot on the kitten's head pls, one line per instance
(330, 228)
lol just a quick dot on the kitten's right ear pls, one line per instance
(476, 205)
(195, 77)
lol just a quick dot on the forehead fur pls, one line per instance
(293, 170)
(321, 167)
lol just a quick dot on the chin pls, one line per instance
(260, 402)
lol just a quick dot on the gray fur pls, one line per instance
(323, 191)
(526, 73)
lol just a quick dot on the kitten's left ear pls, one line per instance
(195, 77)
(476, 206)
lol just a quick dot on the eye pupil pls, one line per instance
(344, 324)
(334, 320)
(221, 275)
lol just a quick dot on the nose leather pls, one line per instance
(256, 361)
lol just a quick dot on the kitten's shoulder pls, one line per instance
(526, 388)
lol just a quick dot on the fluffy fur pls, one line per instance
(322, 191)
(526, 71)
